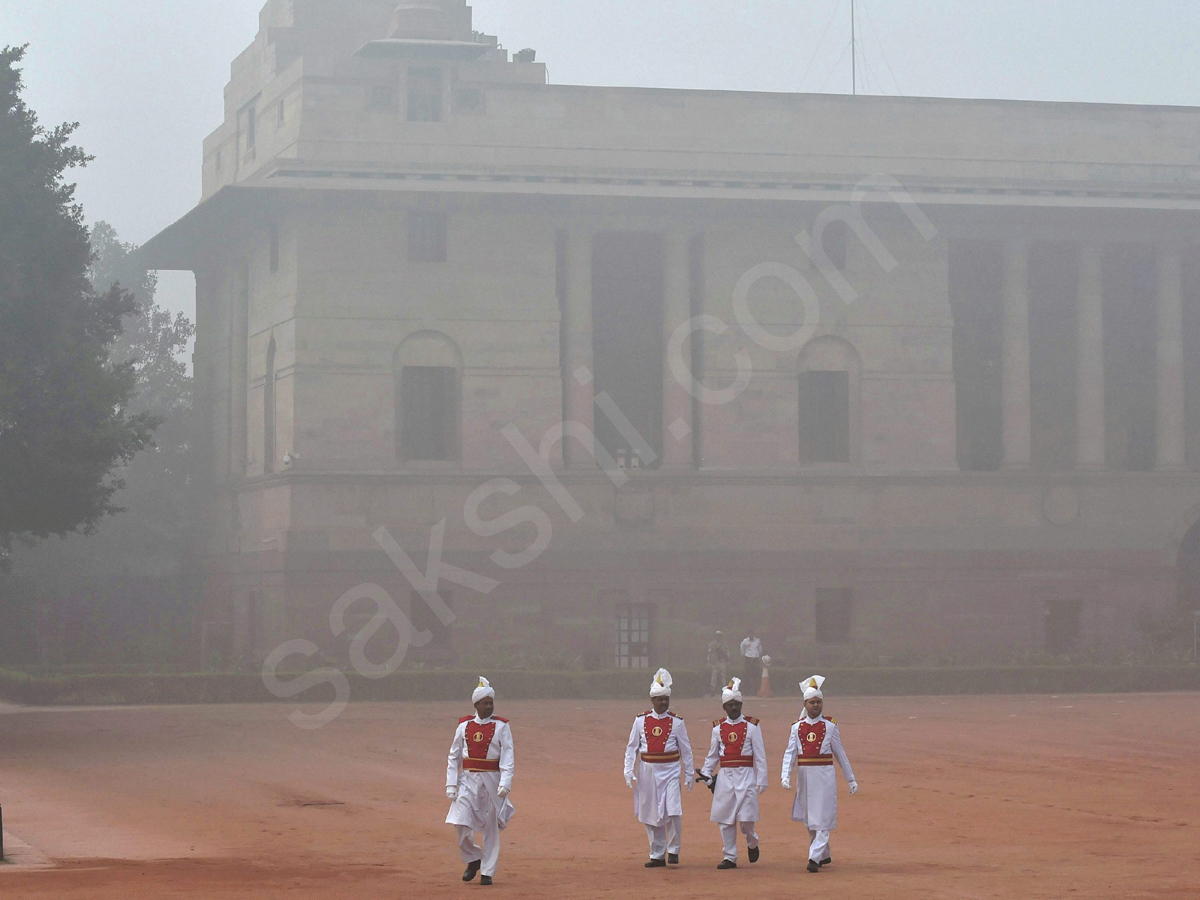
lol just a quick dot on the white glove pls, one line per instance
(629, 780)
(690, 785)
(504, 791)
(787, 784)
(853, 788)
(451, 792)
(761, 788)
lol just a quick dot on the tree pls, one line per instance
(66, 420)
(126, 592)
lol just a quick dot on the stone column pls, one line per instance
(677, 310)
(1090, 421)
(580, 371)
(1172, 453)
(239, 371)
(1015, 377)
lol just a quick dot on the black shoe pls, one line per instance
(827, 860)
(727, 864)
(472, 871)
(673, 858)
(814, 866)
(485, 880)
(656, 863)
(753, 854)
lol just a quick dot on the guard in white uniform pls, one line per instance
(658, 743)
(479, 774)
(738, 763)
(814, 745)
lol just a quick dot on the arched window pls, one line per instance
(829, 390)
(428, 380)
(269, 411)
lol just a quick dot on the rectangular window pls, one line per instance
(824, 417)
(251, 129)
(424, 95)
(274, 251)
(633, 636)
(384, 98)
(428, 413)
(280, 115)
(1062, 624)
(427, 237)
(470, 102)
(834, 613)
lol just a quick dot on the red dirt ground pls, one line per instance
(1006, 797)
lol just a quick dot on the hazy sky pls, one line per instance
(145, 77)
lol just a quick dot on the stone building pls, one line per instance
(902, 375)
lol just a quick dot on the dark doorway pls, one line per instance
(428, 413)
(627, 334)
(835, 608)
(1063, 624)
(439, 651)
(824, 417)
(1188, 566)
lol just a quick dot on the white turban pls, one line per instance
(484, 690)
(733, 691)
(661, 686)
(812, 687)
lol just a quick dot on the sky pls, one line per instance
(145, 77)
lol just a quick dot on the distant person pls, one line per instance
(752, 651)
(479, 775)
(738, 763)
(658, 743)
(814, 744)
(718, 665)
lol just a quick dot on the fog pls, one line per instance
(539, 361)
(145, 77)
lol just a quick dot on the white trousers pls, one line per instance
(729, 838)
(819, 848)
(665, 838)
(487, 855)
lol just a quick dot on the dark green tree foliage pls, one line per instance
(66, 420)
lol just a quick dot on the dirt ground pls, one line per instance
(1030, 797)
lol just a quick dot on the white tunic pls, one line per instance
(816, 786)
(736, 796)
(656, 795)
(477, 791)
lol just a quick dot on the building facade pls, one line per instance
(892, 375)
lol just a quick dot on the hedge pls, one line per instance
(210, 687)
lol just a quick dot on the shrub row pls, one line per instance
(138, 689)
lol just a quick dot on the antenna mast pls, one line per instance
(853, 52)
